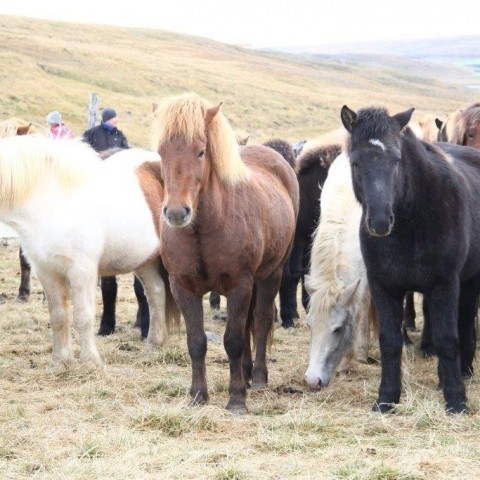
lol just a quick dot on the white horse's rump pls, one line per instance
(340, 297)
(78, 217)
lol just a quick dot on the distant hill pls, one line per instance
(49, 65)
(461, 51)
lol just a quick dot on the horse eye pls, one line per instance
(338, 330)
(201, 154)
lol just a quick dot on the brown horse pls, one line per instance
(18, 126)
(466, 130)
(228, 221)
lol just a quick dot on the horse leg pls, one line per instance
(25, 269)
(214, 300)
(83, 283)
(362, 330)
(109, 297)
(263, 320)
(467, 311)
(238, 306)
(56, 291)
(191, 308)
(409, 312)
(287, 306)
(426, 343)
(155, 290)
(143, 312)
(443, 304)
(247, 362)
(389, 306)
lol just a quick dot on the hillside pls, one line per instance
(49, 65)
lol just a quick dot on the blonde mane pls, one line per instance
(11, 126)
(329, 249)
(182, 117)
(27, 159)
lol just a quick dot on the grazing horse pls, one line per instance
(420, 231)
(18, 126)
(312, 169)
(78, 217)
(340, 301)
(228, 221)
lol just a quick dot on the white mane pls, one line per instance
(336, 258)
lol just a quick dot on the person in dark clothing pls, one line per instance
(105, 137)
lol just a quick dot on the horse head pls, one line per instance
(375, 150)
(332, 336)
(195, 142)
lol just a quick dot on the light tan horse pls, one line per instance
(340, 302)
(18, 126)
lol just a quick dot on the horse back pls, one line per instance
(270, 167)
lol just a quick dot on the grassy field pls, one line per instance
(132, 419)
(50, 65)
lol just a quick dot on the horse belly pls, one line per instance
(130, 237)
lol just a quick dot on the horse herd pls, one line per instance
(372, 216)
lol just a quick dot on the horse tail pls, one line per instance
(172, 312)
(373, 320)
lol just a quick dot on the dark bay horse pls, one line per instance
(420, 231)
(228, 221)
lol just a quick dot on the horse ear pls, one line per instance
(24, 129)
(154, 107)
(211, 112)
(403, 118)
(243, 141)
(349, 118)
(438, 123)
(349, 292)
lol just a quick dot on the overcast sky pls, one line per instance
(270, 22)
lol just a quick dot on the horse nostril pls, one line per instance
(391, 218)
(165, 209)
(187, 211)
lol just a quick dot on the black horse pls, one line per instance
(312, 169)
(420, 231)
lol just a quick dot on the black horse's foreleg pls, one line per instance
(426, 343)
(442, 304)
(25, 270)
(109, 297)
(467, 312)
(143, 312)
(389, 306)
(409, 312)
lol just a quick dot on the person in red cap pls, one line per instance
(106, 135)
(57, 127)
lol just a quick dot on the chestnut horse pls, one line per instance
(228, 221)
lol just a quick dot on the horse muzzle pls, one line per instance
(380, 227)
(179, 217)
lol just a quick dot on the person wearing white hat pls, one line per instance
(57, 127)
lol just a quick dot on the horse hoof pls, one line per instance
(456, 408)
(428, 352)
(105, 331)
(288, 324)
(23, 298)
(237, 408)
(382, 407)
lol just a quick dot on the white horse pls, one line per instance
(340, 301)
(78, 217)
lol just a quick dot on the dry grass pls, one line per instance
(132, 419)
(50, 65)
